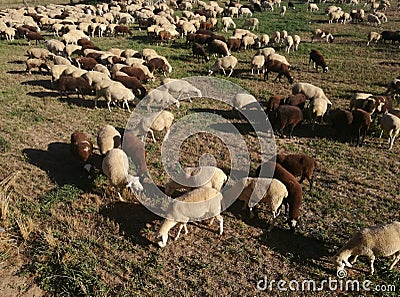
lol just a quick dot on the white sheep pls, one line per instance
(257, 63)
(156, 121)
(115, 166)
(288, 42)
(276, 37)
(241, 100)
(115, 92)
(70, 49)
(318, 108)
(160, 98)
(248, 41)
(211, 205)
(264, 39)
(260, 190)
(95, 77)
(312, 7)
(278, 57)
(101, 68)
(39, 53)
(373, 36)
(58, 60)
(310, 91)
(108, 138)
(283, 35)
(196, 176)
(380, 240)
(73, 36)
(244, 11)
(251, 23)
(358, 96)
(390, 124)
(55, 46)
(266, 51)
(296, 42)
(223, 64)
(10, 33)
(56, 72)
(180, 87)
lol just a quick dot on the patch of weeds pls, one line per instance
(63, 194)
(4, 145)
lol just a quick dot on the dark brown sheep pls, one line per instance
(73, 84)
(199, 52)
(205, 32)
(234, 44)
(132, 83)
(318, 59)
(34, 36)
(159, 64)
(360, 125)
(122, 29)
(164, 36)
(218, 47)
(298, 100)
(274, 102)
(82, 148)
(207, 26)
(134, 71)
(201, 38)
(278, 67)
(286, 116)
(85, 63)
(340, 120)
(295, 191)
(298, 165)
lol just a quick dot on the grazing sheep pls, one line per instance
(58, 60)
(253, 193)
(312, 7)
(223, 64)
(390, 124)
(108, 138)
(157, 121)
(241, 100)
(295, 192)
(278, 57)
(234, 44)
(245, 11)
(85, 63)
(115, 166)
(298, 100)
(103, 69)
(319, 34)
(55, 46)
(278, 67)
(132, 83)
(114, 92)
(274, 102)
(95, 77)
(249, 41)
(296, 42)
(39, 53)
(267, 51)
(82, 148)
(180, 87)
(264, 40)
(298, 165)
(373, 36)
(340, 120)
(360, 125)
(251, 23)
(318, 108)
(185, 211)
(380, 240)
(161, 64)
(286, 116)
(257, 63)
(10, 33)
(134, 149)
(318, 59)
(70, 49)
(160, 98)
(122, 29)
(312, 92)
(36, 63)
(196, 176)
(276, 37)
(357, 100)
(226, 23)
(373, 20)
(288, 42)
(199, 52)
(56, 72)
(74, 84)
(34, 36)
(218, 47)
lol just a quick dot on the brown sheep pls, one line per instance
(298, 100)
(318, 59)
(122, 29)
(74, 84)
(298, 165)
(34, 36)
(136, 72)
(286, 115)
(132, 83)
(340, 120)
(82, 148)
(278, 67)
(274, 102)
(360, 125)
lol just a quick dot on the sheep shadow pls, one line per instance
(74, 100)
(59, 164)
(20, 62)
(43, 94)
(226, 114)
(38, 83)
(132, 219)
(20, 72)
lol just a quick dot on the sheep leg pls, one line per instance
(230, 73)
(221, 223)
(354, 260)
(108, 105)
(152, 135)
(396, 259)
(223, 71)
(372, 259)
(181, 226)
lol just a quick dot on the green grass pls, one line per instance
(84, 243)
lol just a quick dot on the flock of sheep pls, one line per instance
(120, 75)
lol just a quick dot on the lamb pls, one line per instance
(134, 149)
(39, 53)
(360, 125)
(115, 166)
(180, 87)
(199, 52)
(82, 148)
(274, 102)
(36, 63)
(295, 192)
(257, 63)
(390, 124)
(159, 63)
(253, 192)
(380, 240)
(132, 83)
(286, 115)
(197, 177)
(156, 121)
(223, 64)
(182, 212)
(160, 98)
(298, 100)
(318, 59)
(298, 165)
(226, 23)
(34, 36)
(280, 68)
(373, 36)
(108, 138)
(115, 92)
(75, 84)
